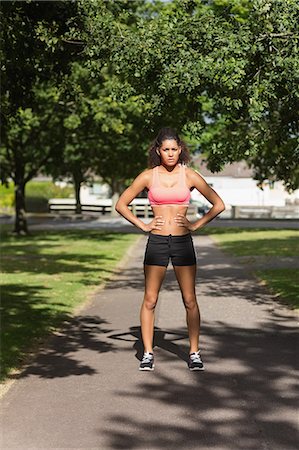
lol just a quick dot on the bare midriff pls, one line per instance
(168, 213)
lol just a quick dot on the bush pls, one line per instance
(37, 195)
(47, 189)
(7, 198)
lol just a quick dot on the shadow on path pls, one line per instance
(239, 400)
(58, 358)
(163, 339)
(245, 400)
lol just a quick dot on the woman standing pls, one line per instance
(169, 182)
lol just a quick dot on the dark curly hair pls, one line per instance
(166, 133)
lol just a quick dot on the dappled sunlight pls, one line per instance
(26, 317)
(58, 359)
(41, 284)
(244, 400)
(250, 377)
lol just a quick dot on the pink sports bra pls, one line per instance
(175, 195)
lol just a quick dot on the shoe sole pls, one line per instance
(196, 368)
(146, 369)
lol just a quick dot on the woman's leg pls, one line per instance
(154, 276)
(186, 279)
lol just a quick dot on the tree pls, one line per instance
(34, 62)
(58, 110)
(234, 68)
(104, 118)
(102, 134)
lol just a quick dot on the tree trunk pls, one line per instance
(116, 187)
(77, 177)
(115, 197)
(20, 210)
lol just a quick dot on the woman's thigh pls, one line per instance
(154, 276)
(186, 278)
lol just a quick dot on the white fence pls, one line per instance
(140, 207)
(265, 212)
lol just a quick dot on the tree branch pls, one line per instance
(68, 41)
(34, 171)
(277, 35)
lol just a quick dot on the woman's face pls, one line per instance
(169, 152)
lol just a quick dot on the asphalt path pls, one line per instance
(83, 390)
(119, 224)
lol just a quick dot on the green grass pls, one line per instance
(44, 277)
(264, 242)
(247, 242)
(282, 282)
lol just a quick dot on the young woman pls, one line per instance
(169, 182)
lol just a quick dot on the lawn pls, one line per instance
(256, 241)
(284, 283)
(264, 242)
(44, 277)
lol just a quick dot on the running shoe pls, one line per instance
(195, 362)
(147, 362)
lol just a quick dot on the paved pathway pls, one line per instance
(84, 390)
(269, 262)
(91, 221)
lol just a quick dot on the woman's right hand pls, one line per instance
(156, 224)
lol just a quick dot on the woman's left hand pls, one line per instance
(182, 221)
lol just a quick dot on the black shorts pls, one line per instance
(160, 248)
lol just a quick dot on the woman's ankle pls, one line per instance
(192, 350)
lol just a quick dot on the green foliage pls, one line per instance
(47, 190)
(37, 195)
(34, 64)
(86, 85)
(7, 196)
(101, 124)
(60, 114)
(224, 71)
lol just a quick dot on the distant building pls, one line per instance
(236, 186)
(97, 191)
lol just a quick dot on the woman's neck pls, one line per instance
(169, 168)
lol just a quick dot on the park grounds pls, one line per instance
(65, 260)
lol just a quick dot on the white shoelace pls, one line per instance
(195, 357)
(147, 357)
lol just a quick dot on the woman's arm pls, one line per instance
(202, 186)
(140, 183)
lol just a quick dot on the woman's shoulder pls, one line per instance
(191, 172)
(146, 172)
(192, 176)
(146, 175)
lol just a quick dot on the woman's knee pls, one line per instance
(150, 300)
(190, 301)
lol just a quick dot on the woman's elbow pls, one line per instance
(117, 207)
(221, 206)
